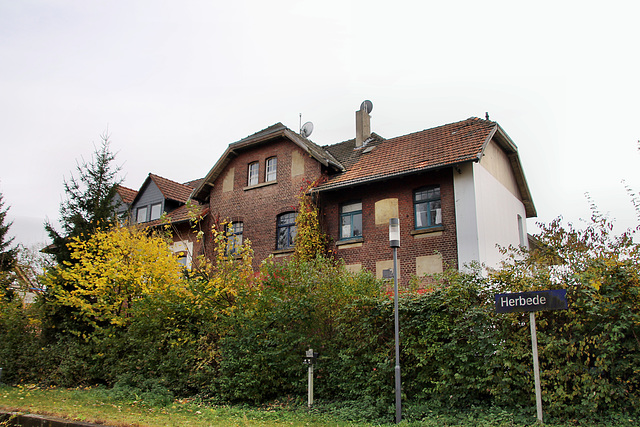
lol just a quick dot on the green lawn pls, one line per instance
(95, 405)
(99, 406)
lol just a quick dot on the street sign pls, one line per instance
(531, 301)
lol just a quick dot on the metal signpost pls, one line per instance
(532, 302)
(310, 359)
(394, 242)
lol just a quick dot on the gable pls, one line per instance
(149, 194)
(275, 133)
(503, 142)
(497, 163)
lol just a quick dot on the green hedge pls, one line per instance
(456, 352)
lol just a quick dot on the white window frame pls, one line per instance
(183, 250)
(253, 173)
(159, 211)
(271, 169)
(141, 210)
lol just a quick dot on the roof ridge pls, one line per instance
(269, 129)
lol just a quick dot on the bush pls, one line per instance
(234, 336)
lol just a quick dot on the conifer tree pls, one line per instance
(8, 254)
(90, 200)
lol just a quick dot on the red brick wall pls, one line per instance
(258, 207)
(376, 237)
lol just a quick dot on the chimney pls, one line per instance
(363, 123)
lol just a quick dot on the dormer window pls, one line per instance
(156, 211)
(271, 169)
(141, 215)
(254, 169)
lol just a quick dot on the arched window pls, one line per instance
(271, 169)
(286, 230)
(254, 170)
(236, 229)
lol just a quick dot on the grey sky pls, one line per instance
(176, 82)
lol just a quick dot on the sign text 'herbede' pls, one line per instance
(532, 301)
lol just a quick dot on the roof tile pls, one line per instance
(444, 145)
(126, 194)
(172, 190)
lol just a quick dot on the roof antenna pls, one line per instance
(486, 115)
(306, 129)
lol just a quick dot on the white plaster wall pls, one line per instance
(486, 216)
(466, 215)
(498, 211)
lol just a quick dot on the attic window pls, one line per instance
(369, 149)
(156, 211)
(364, 144)
(141, 215)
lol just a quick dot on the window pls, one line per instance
(286, 230)
(254, 169)
(272, 166)
(156, 211)
(141, 215)
(521, 233)
(426, 203)
(183, 250)
(183, 258)
(351, 220)
(235, 237)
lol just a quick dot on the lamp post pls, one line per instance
(394, 242)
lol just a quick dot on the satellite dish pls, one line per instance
(306, 130)
(367, 106)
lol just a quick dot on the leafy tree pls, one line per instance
(90, 203)
(590, 353)
(109, 271)
(8, 254)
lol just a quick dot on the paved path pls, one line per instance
(32, 420)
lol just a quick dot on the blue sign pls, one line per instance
(532, 301)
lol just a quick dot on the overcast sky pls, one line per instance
(175, 82)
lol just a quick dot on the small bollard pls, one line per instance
(309, 360)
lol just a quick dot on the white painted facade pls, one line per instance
(489, 211)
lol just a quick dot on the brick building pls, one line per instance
(458, 189)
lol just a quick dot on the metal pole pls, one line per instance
(536, 367)
(397, 335)
(310, 397)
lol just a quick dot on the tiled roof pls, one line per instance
(445, 145)
(180, 214)
(172, 190)
(195, 183)
(126, 194)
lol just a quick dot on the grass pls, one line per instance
(95, 405)
(101, 406)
